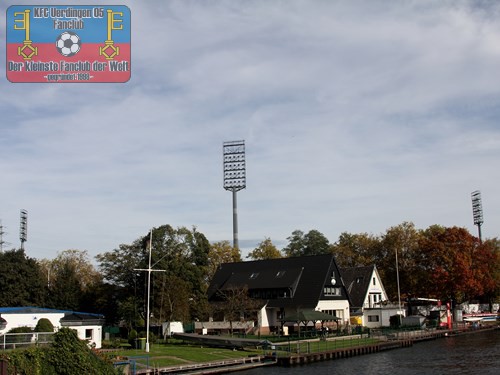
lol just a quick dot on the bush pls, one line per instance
(44, 325)
(67, 355)
(20, 338)
(132, 338)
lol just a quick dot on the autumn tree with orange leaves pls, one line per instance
(458, 266)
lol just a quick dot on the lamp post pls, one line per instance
(399, 290)
(149, 270)
(234, 176)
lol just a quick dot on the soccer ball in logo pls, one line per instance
(68, 44)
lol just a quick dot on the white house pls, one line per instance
(88, 326)
(369, 302)
(284, 286)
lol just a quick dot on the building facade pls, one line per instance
(88, 326)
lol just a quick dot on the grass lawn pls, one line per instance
(161, 355)
(178, 353)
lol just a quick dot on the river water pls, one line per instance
(477, 353)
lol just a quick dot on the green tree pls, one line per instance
(174, 299)
(70, 276)
(180, 252)
(21, 280)
(265, 250)
(355, 250)
(403, 240)
(311, 243)
(221, 252)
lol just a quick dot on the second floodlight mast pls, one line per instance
(234, 176)
(477, 211)
(23, 227)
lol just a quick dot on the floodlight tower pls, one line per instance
(2, 242)
(477, 211)
(23, 228)
(234, 176)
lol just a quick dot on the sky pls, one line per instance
(356, 115)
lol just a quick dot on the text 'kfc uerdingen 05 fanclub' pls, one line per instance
(67, 44)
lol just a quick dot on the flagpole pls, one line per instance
(149, 289)
(149, 270)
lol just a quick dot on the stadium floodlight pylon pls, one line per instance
(234, 176)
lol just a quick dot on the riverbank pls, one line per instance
(303, 352)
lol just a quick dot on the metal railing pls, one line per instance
(16, 340)
(318, 345)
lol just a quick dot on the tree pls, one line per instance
(69, 276)
(180, 252)
(21, 280)
(174, 301)
(403, 239)
(234, 303)
(221, 252)
(79, 262)
(355, 250)
(457, 264)
(312, 243)
(488, 257)
(265, 250)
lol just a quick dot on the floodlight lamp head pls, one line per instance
(234, 165)
(477, 207)
(23, 227)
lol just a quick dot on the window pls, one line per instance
(254, 275)
(373, 318)
(374, 281)
(88, 334)
(280, 274)
(330, 312)
(331, 291)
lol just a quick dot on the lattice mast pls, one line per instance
(477, 211)
(2, 242)
(23, 228)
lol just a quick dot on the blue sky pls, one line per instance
(356, 115)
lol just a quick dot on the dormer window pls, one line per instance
(254, 275)
(280, 274)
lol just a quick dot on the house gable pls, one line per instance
(283, 283)
(364, 286)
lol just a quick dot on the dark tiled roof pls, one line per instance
(73, 319)
(304, 276)
(42, 310)
(357, 280)
(28, 310)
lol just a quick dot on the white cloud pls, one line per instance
(357, 116)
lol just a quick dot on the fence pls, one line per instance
(17, 340)
(317, 345)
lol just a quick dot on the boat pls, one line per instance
(471, 319)
(482, 317)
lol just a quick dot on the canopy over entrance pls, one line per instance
(310, 316)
